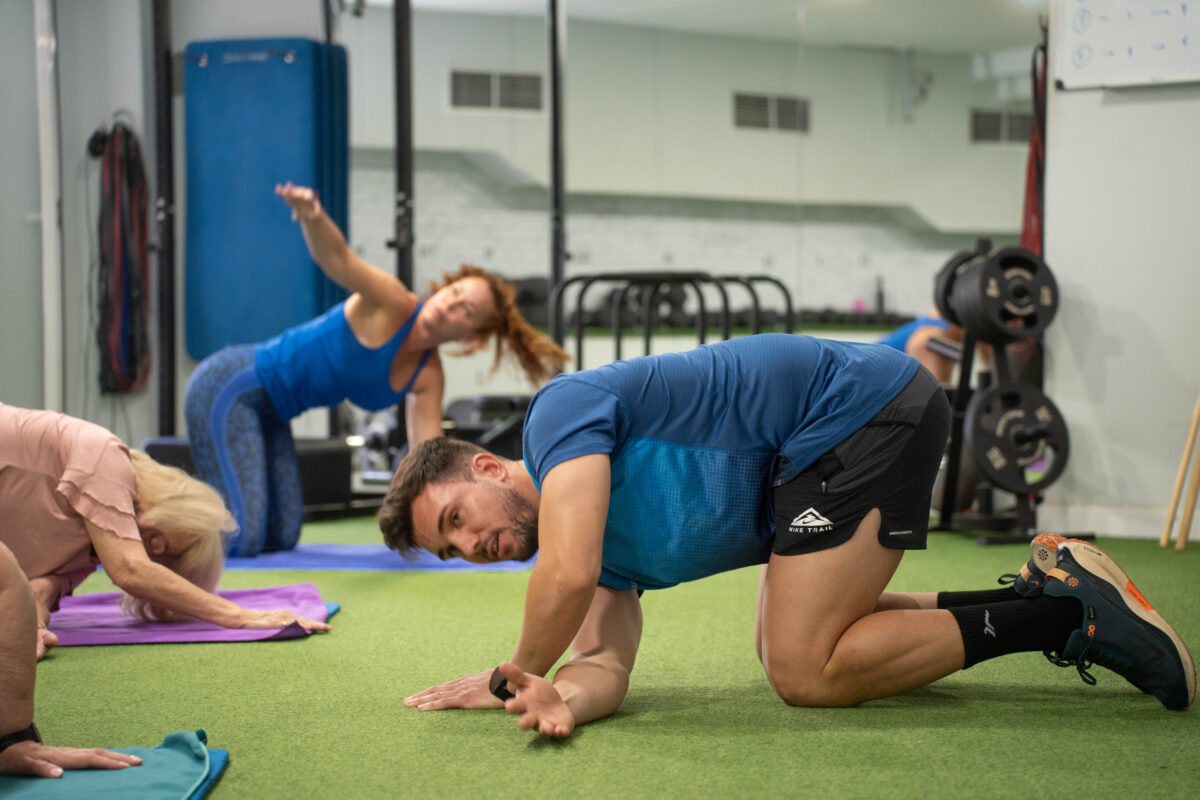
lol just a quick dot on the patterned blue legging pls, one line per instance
(243, 449)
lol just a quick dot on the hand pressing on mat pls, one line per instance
(39, 760)
(469, 691)
(538, 705)
(281, 618)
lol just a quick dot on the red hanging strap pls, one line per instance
(1031, 217)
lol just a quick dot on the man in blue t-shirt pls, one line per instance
(815, 458)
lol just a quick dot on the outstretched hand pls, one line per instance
(35, 758)
(538, 705)
(281, 619)
(303, 201)
(469, 691)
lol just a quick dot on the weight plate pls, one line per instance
(1017, 436)
(943, 286)
(1009, 297)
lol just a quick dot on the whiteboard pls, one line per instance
(1100, 43)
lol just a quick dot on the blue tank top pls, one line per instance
(898, 339)
(697, 440)
(321, 363)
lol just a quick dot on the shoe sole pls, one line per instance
(1102, 565)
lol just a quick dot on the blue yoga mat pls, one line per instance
(258, 112)
(364, 558)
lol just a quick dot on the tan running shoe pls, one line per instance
(1120, 630)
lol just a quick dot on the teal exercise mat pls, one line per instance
(365, 558)
(180, 768)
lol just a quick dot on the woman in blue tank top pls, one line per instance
(376, 349)
(913, 339)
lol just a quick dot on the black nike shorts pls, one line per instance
(890, 464)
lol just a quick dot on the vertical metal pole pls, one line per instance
(954, 453)
(402, 222)
(49, 162)
(164, 214)
(557, 26)
(402, 52)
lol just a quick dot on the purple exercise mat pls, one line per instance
(96, 619)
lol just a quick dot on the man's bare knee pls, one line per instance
(812, 693)
(808, 687)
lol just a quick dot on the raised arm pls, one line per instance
(129, 567)
(594, 682)
(572, 514)
(328, 248)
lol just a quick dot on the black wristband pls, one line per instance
(29, 734)
(498, 686)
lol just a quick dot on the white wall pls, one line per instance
(650, 112)
(103, 68)
(827, 257)
(1123, 167)
(20, 231)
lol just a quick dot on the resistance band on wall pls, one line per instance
(123, 279)
(1032, 223)
(1031, 217)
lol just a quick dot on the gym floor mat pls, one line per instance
(364, 558)
(96, 619)
(327, 719)
(180, 768)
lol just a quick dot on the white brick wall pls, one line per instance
(828, 257)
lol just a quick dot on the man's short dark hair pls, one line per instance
(437, 460)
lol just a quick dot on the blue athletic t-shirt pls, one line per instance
(697, 439)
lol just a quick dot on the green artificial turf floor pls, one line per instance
(324, 716)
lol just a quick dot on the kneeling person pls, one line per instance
(815, 458)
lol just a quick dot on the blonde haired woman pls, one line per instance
(74, 497)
